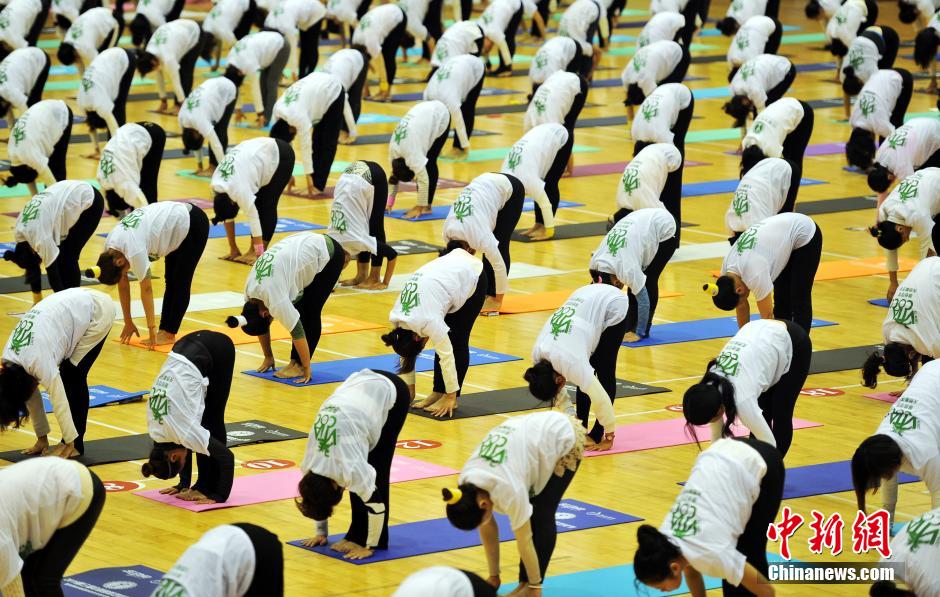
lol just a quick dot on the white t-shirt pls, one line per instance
(863, 57)
(750, 40)
(47, 218)
(101, 81)
(171, 41)
(714, 507)
(348, 426)
(155, 11)
(19, 72)
(553, 56)
(453, 82)
(553, 99)
(376, 25)
(255, 51)
(415, 11)
(37, 130)
(460, 38)
(223, 18)
(417, 131)
(913, 316)
(303, 106)
(772, 125)
(69, 9)
(290, 266)
(89, 31)
(760, 194)
(662, 26)
(149, 233)
(753, 361)
(579, 18)
(16, 19)
(497, 14)
(290, 15)
(121, 161)
(764, 249)
(659, 112)
(36, 496)
(914, 202)
(204, 107)
(440, 581)
(345, 64)
(472, 218)
(759, 75)
(177, 401)
(353, 197)
(845, 23)
(876, 102)
(642, 181)
(651, 64)
(909, 146)
(631, 244)
(343, 11)
(570, 336)
(246, 168)
(918, 553)
(530, 158)
(658, 6)
(742, 10)
(220, 564)
(914, 423)
(516, 459)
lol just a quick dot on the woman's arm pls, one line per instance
(489, 536)
(423, 184)
(545, 207)
(642, 312)
(124, 294)
(61, 410)
(146, 299)
(765, 307)
(695, 582)
(601, 404)
(265, 341)
(527, 552)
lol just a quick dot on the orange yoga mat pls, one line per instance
(332, 324)
(546, 301)
(854, 268)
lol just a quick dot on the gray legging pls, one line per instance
(270, 77)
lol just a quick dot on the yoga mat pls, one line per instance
(54, 43)
(630, 50)
(419, 95)
(339, 370)
(824, 104)
(438, 535)
(802, 38)
(75, 84)
(283, 225)
(828, 206)
(102, 396)
(546, 301)
(701, 329)
(580, 230)
(439, 212)
(18, 283)
(883, 396)
(878, 302)
(413, 247)
(202, 301)
(711, 92)
(498, 153)
(707, 59)
(928, 114)
(137, 447)
(857, 268)
(820, 479)
(815, 67)
(614, 168)
(282, 485)
(377, 118)
(714, 187)
(603, 83)
(825, 149)
(667, 433)
(713, 135)
(840, 359)
(384, 138)
(123, 581)
(516, 399)
(584, 123)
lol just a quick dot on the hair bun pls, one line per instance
(234, 321)
(92, 272)
(452, 496)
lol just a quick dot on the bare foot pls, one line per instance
(163, 338)
(431, 398)
(206, 172)
(370, 285)
(491, 305)
(343, 546)
(38, 448)
(534, 231)
(529, 231)
(191, 496)
(352, 281)
(417, 211)
(292, 369)
(540, 235)
(95, 155)
(345, 139)
(170, 490)
(602, 446)
(247, 259)
(62, 451)
(232, 256)
(631, 337)
(458, 153)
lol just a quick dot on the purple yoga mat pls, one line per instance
(812, 150)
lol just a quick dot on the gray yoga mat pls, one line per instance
(18, 284)
(511, 109)
(413, 247)
(822, 104)
(840, 359)
(580, 230)
(137, 447)
(383, 139)
(516, 399)
(829, 206)
(708, 59)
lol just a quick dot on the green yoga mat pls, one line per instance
(713, 135)
(21, 190)
(55, 43)
(498, 153)
(931, 114)
(802, 38)
(77, 83)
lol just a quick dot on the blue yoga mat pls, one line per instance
(336, 371)
(818, 479)
(701, 329)
(439, 212)
(438, 535)
(711, 93)
(7, 246)
(283, 225)
(376, 119)
(101, 396)
(130, 581)
(815, 67)
(878, 302)
(714, 187)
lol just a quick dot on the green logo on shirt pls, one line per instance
(747, 70)
(515, 155)
(541, 59)
(159, 404)
(31, 209)
(87, 82)
(740, 203)
(866, 103)
(630, 181)
(742, 39)
(908, 188)
(227, 167)
(324, 429)
(360, 169)
(19, 129)
(902, 307)
(898, 138)
(440, 52)
(856, 58)
(107, 164)
(365, 23)
(561, 321)
(132, 220)
(443, 73)
(292, 94)
(409, 297)
(26, 549)
(639, 62)
(748, 240)
(758, 126)
(401, 131)
(264, 266)
(22, 335)
(3, 74)
(841, 18)
(923, 531)
(169, 588)
(4, 21)
(493, 447)
(338, 220)
(901, 417)
(192, 102)
(683, 518)
(75, 31)
(617, 237)
(728, 362)
(649, 109)
(487, 18)
(463, 207)
(159, 37)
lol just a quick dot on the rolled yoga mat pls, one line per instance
(840, 359)
(699, 329)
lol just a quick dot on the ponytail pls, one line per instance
(871, 369)
(887, 588)
(406, 345)
(654, 555)
(541, 379)
(876, 458)
(463, 511)
(702, 401)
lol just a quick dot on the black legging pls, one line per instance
(577, 104)
(180, 269)
(480, 587)
(377, 218)
(460, 324)
(780, 89)
(506, 220)
(678, 74)
(752, 543)
(431, 167)
(604, 362)
(554, 175)
(149, 170)
(268, 580)
(247, 20)
(796, 173)
(466, 9)
(689, 13)
(354, 94)
(510, 34)
(904, 98)
(221, 131)
(309, 48)
(380, 458)
(310, 305)
(213, 353)
(889, 49)
(774, 39)
(678, 130)
(35, 94)
(325, 138)
(653, 271)
(267, 197)
(75, 382)
(793, 288)
(187, 66)
(468, 110)
(269, 77)
(60, 150)
(124, 88)
(64, 272)
(390, 49)
(544, 529)
(32, 36)
(44, 568)
(794, 145)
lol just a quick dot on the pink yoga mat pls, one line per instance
(884, 397)
(671, 432)
(282, 485)
(614, 168)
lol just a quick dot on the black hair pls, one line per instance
(734, 70)
(737, 108)
(281, 129)
(887, 588)
(62, 22)
(654, 553)
(907, 13)
(94, 121)
(878, 179)
(318, 496)
(192, 139)
(255, 324)
(896, 361)
(406, 345)
(599, 277)
(635, 95)
(261, 15)
(140, 29)
(466, 514)
(852, 85)
(639, 146)
(401, 172)
(109, 272)
(728, 26)
(23, 256)
(812, 9)
(224, 208)
(541, 379)
(750, 156)
(208, 42)
(925, 47)
(234, 75)
(4, 106)
(876, 458)
(66, 53)
(702, 401)
(860, 148)
(146, 62)
(159, 464)
(887, 234)
(727, 298)
(837, 48)
(16, 387)
(453, 245)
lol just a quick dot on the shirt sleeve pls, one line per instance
(601, 404)
(545, 207)
(174, 70)
(923, 226)
(891, 260)
(456, 118)
(751, 417)
(350, 118)
(254, 222)
(61, 410)
(491, 251)
(423, 184)
(306, 149)
(161, 83)
(376, 512)
(285, 312)
(215, 145)
(445, 351)
(37, 414)
(760, 284)
(256, 92)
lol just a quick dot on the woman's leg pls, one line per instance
(217, 363)
(892, 42)
(32, 36)
(221, 131)
(181, 269)
(577, 104)
(510, 34)
(354, 94)
(431, 166)
(461, 323)
(270, 77)
(773, 41)
(604, 362)
(554, 175)
(35, 93)
(267, 197)
(678, 73)
(780, 89)
(904, 98)
(309, 49)
(187, 66)
(377, 214)
(315, 295)
(268, 579)
(653, 271)
(672, 197)
(506, 221)
(325, 138)
(390, 49)
(248, 19)
(150, 165)
(468, 110)
(796, 173)
(75, 380)
(60, 151)
(124, 88)
(779, 402)
(64, 272)
(803, 265)
(544, 531)
(681, 128)
(794, 146)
